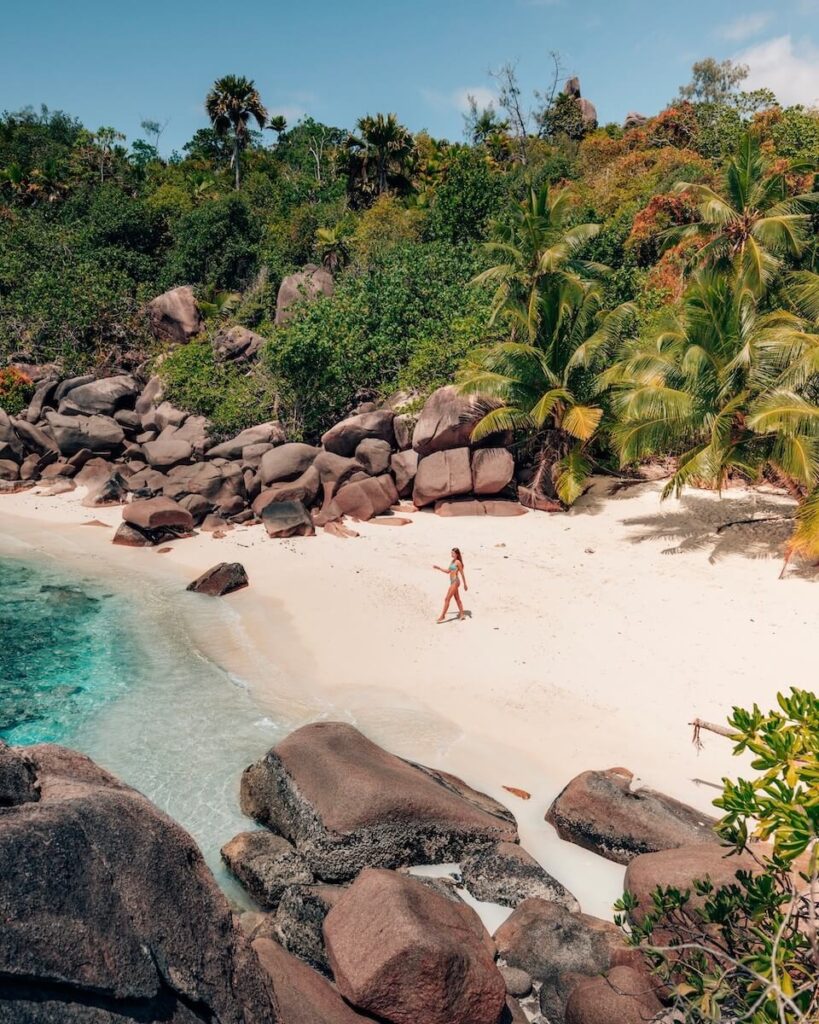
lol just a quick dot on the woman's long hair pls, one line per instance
(458, 555)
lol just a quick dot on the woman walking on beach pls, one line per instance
(456, 574)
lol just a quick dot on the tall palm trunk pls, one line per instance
(236, 159)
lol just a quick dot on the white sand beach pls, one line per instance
(593, 638)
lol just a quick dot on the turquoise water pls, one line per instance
(110, 667)
(61, 652)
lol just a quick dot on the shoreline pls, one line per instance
(588, 646)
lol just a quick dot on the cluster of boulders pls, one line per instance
(343, 823)
(110, 913)
(127, 445)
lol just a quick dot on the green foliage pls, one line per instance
(380, 329)
(215, 244)
(16, 390)
(228, 395)
(749, 951)
(467, 198)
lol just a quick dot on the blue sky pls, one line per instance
(116, 63)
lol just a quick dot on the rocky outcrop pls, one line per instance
(346, 804)
(236, 344)
(266, 865)
(345, 437)
(153, 513)
(18, 777)
(303, 286)
(220, 579)
(174, 315)
(492, 470)
(287, 519)
(100, 434)
(403, 953)
(446, 421)
(505, 873)
(623, 996)
(443, 474)
(108, 910)
(302, 995)
(558, 948)
(679, 868)
(300, 921)
(287, 462)
(601, 812)
(264, 433)
(101, 397)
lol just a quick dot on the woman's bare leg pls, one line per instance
(457, 596)
(447, 599)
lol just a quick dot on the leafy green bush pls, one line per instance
(215, 244)
(750, 951)
(16, 390)
(469, 196)
(381, 328)
(230, 396)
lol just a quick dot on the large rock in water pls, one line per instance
(347, 804)
(266, 865)
(174, 315)
(303, 286)
(220, 579)
(600, 812)
(110, 913)
(405, 954)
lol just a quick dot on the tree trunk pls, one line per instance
(236, 159)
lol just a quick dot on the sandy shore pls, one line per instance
(593, 638)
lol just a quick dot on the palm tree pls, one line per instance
(230, 104)
(333, 246)
(382, 152)
(277, 124)
(752, 223)
(725, 384)
(537, 383)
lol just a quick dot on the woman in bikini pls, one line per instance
(456, 574)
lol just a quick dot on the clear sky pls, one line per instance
(112, 62)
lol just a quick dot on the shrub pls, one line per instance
(230, 396)
(16, 390)
(750, 951)
(379, 323)
(469, 195)
(215, 244)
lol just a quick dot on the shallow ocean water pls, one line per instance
(117, 674)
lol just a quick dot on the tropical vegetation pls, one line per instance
(612, 294)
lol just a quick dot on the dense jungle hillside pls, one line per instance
(612, 292)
